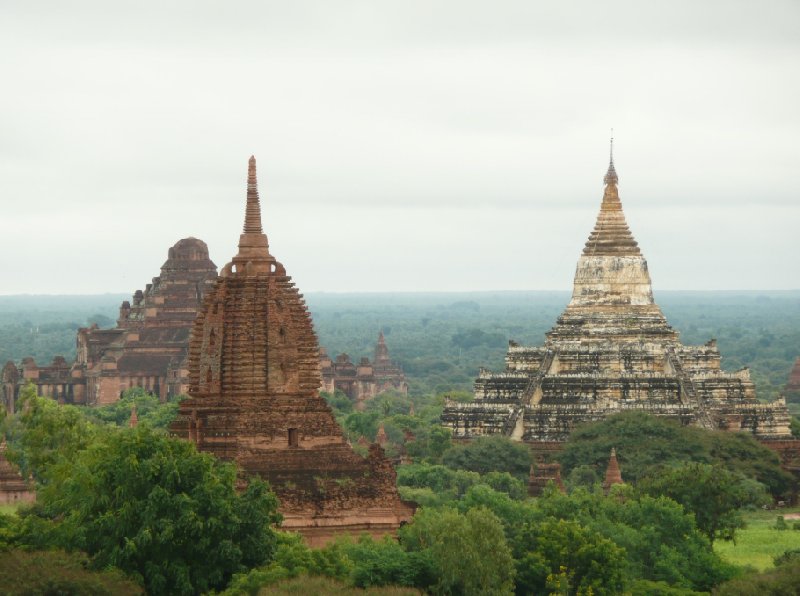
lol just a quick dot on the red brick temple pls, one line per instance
(146, 349)
(365, 380)
(793, 385)
(254, 384)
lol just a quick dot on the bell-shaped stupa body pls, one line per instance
(254, 399)
(611, 350)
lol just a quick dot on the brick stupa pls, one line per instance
(254, 398)
(613, 473)
(793, 386)
(612, 350)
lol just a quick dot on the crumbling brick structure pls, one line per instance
(254, 399)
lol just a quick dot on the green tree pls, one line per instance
(43, 433)
(713, 494)
(644, 442)
(159, 510)
(661, 541)
(150, 410)
(783, 580)
(558, 556)
(57, 572)
(490, 454)
(469, 552)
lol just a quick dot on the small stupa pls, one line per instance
(613, 473)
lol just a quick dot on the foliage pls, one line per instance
(155, 508)
(57, 572)
(794, 424)
(43, 433)
(661, 541)
(646, 587)
(468, 551)
(149, 409)
(490, 454)
(759, 330)
(564, 557)
(292, 558)
(339, 403)
(385, 562)
(758, 543)
(713, 494)
(304, 585)
(781, 581)
(644, 442)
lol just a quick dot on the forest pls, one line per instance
(124, 510)
(442, 339)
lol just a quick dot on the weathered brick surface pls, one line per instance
(254, 398)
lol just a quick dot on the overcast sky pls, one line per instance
(409, 145)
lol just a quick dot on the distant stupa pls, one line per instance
(611, 350)
(613, 473)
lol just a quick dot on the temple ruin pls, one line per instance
(793, 385)
(364, 381)
(254, 382)
(611, 350)
(14, 489)
(147, 348)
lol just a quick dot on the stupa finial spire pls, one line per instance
(253, 255)
(252, 218)
(611, 174)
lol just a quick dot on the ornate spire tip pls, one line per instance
(611, 175)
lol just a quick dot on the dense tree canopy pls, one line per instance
(644, 442)
(139, 501)
(713, 494)
(490, 454)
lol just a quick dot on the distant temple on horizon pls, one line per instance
(793, 384)
(365, 380)
(254, 399)
(611, 350)
(147, 348)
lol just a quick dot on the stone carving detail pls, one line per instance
(254, 398)
(611, 350)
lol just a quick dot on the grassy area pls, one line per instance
(760, 542)
(303, 585)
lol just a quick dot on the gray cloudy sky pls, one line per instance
(409, 145)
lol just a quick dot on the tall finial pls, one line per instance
(252, 218)
(253, 256)
(611, 148)
(611, 174)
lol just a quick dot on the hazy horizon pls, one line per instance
(421, 146)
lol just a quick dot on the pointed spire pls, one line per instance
(611, 174)
(252, 218)
(253, 256)
(134, 420)
(611, 235)
(381, 438)
(613, 474)
(381, 350)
